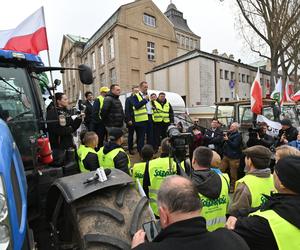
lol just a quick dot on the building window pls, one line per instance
(149, 20)
(150, 51)
(191, 43)
(221, 73)
(111, 48)
(182, 41)
(226, 75)
(112, 75)
(248, 79)
(102, 78)
(187, 43)
(178, 37)
(93, 61)
(232, 75)
(243, 77)
(101, 55)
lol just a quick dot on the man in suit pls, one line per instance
(89, 101)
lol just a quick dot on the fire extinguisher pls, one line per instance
(45, 152)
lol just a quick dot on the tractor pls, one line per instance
(47, 206)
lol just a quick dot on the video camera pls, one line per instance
(253, 131)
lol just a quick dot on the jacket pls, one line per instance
(191, 234)
(88, 114)
(112, 112)
(242, 196)
(256, 230)
(295, 144)
(129, 115)
(61, 137)
(214, 137)
(265, 140)
(290, 134)
(121, 159)
(233, 147)
(171, 112)
(91, 162)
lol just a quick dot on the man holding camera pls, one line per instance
(259, 136)
(287, 134)
(232, 151)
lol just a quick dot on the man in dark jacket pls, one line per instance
(112, 112)
(232, 151)
(112, 155)
(277, 224)
(287, 134)
(89, 101)
(129, 118)
(213, 137)
(182, 226)
(260, 137)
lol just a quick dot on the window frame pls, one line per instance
(149, 20)
(150, 51)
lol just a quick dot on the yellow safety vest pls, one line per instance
(101, 101)
(107, 160)
(257, 187)
(161, 113)
(80, 150)
(158, 171)
(287, 236)
(84, 153)
(138, 171)
(214, 210)
(140, 115)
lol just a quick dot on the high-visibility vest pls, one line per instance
(140, 115)
(257, 187)
(101, 101)
(214, 210)
(138, 171)
(287, 236)
(161, 113)
(158, 170)
(107, 160)
(80, 150)
(84, 153)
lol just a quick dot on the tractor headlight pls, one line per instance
(4, 220)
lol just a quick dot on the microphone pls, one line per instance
(97, 175)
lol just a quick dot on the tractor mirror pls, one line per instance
(85, 74)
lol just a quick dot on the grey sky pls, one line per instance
(213, 20)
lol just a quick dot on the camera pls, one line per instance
(253, 131)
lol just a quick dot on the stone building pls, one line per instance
(136, 38)
(203, 78)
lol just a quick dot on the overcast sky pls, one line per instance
(212, 20)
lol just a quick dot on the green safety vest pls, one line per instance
(287, 236)
(138, 171)
(161, 113)
(140, 115)
(257, 187)
(101, 101)
(158, 171)
(80, 150)
(214, 210)
(107, 160)
(84, 153)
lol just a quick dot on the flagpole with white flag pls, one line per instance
(256, 95)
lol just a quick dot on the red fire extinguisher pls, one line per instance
(45, 152)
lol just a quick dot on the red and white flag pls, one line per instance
(30, 36)
(296, 96)
(288, 91)
(256, 95)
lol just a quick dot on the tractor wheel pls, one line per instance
(109, 218)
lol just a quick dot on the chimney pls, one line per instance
(215, 52)
(231, 56)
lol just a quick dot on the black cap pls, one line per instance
(260, 156)
(115, 133)
(286, 122)
(288, 172)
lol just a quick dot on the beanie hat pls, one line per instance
(115, 133)
(286, 122)
(288, 172)
(259, 155)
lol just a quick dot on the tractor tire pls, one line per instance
(108, 218)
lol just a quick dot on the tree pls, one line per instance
(273, 22)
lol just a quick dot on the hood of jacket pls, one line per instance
(285, 205)
(110, 146)
(208, 183)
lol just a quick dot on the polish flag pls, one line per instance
(288, 91)
(256, 95)
(296, 96)
(30, 36)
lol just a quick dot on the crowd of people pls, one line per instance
(192, 201)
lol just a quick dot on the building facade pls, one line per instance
(202, 78)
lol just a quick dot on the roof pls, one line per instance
(78, 39)
(176, 17)
(199, 53)
(246, 102)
